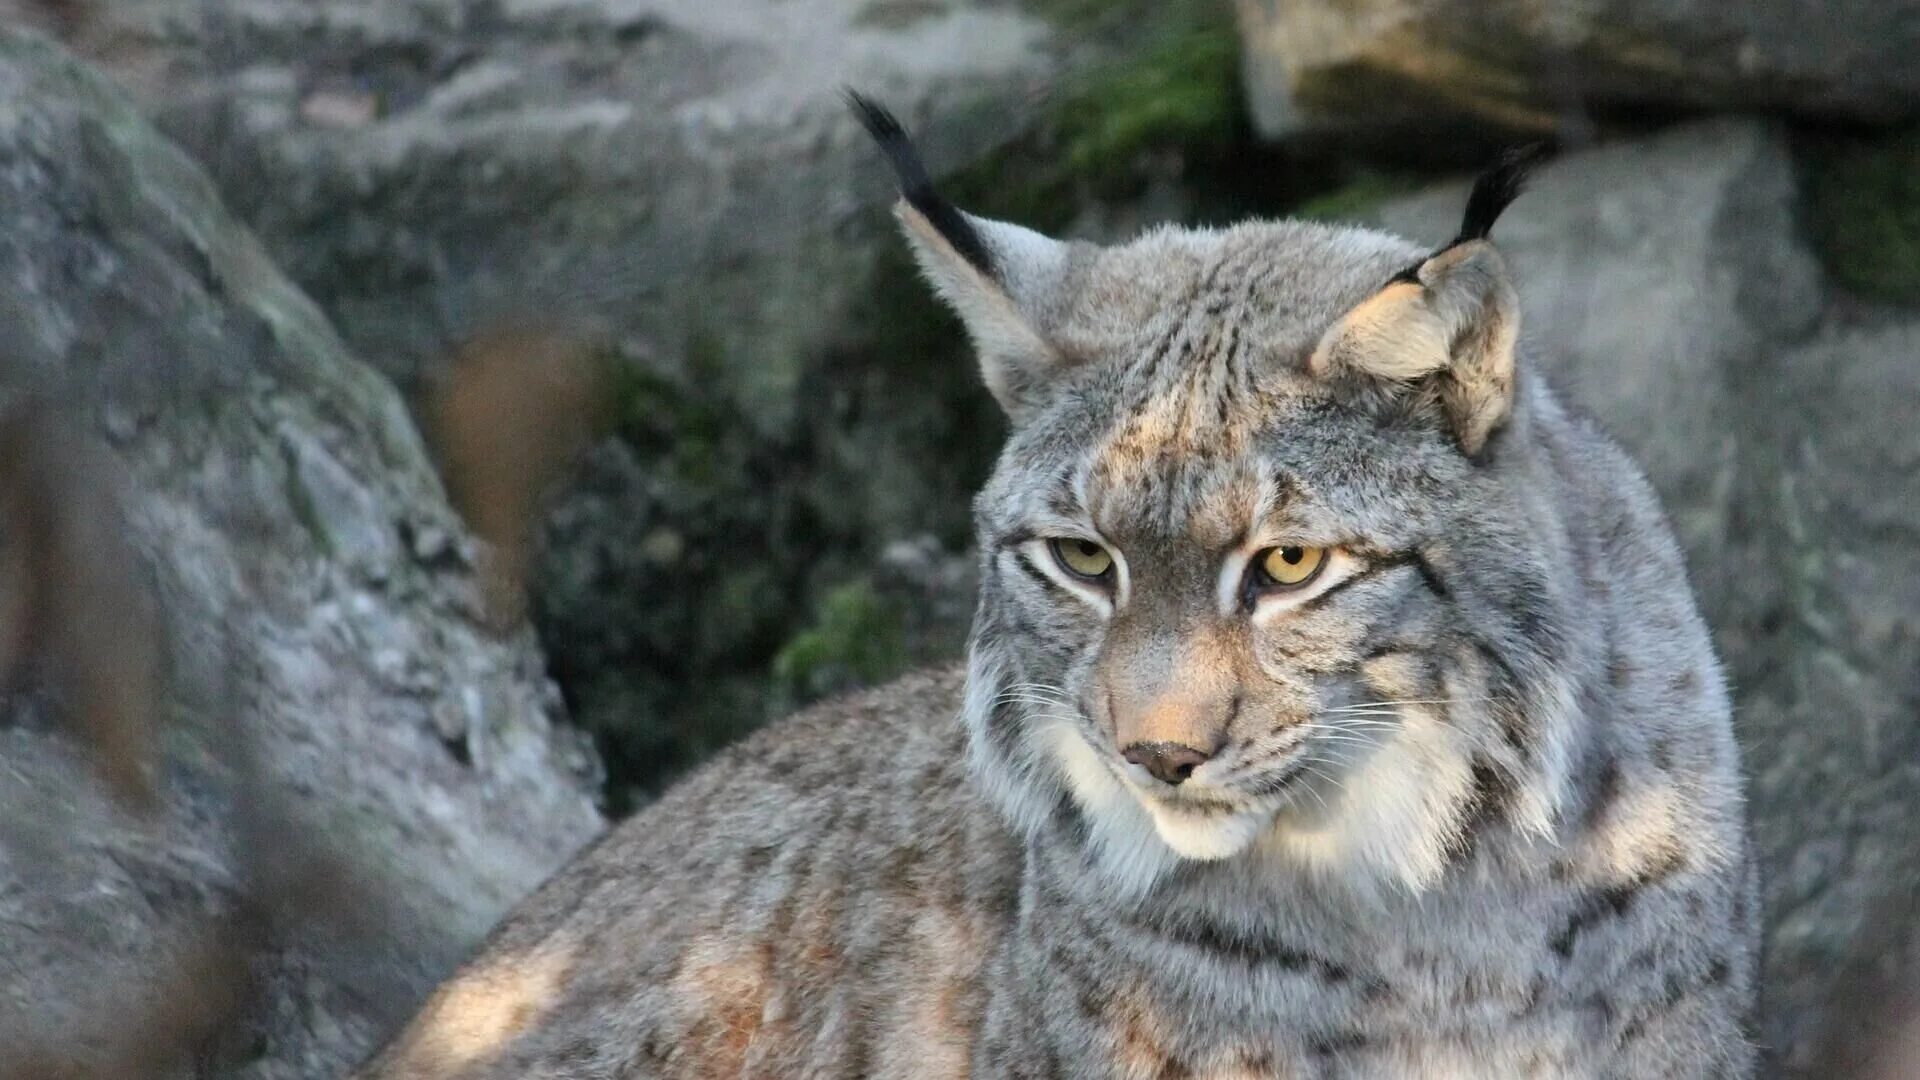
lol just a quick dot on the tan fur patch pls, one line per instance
(1139, 1034)
(931, 1029)
(726, 984)
(478, 1014)
(1394, 334)
(1635, 835)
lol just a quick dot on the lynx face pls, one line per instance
(1225, 601)
(1257, 574)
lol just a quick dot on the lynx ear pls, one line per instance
(997, 277)
(1451, 321)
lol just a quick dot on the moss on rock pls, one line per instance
(856, 639)
(1184, 92)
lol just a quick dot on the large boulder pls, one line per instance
(1668, 287)
(1401, 65)
(266, 773)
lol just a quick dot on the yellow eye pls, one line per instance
(1082, 558)
(1291, 567)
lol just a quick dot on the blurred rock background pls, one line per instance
(429, 426)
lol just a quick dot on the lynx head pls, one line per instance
(1269, 561)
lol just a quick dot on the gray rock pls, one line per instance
(1526, 64)
(1668, 287)
(352, 779)
(1828, 676)
(425, 168)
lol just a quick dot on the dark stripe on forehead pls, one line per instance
(1063, 495)
(1230, 387)
(1206, 332)
(1146, 367)
(1284, 489)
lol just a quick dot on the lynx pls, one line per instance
(1336, 706)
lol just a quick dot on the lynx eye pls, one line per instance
(1289, 567)
(1082, 558)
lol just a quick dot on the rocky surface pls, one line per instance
(1668, 286)
(230, 584)
(1829, 680)
(425, 168)
(1529, 64)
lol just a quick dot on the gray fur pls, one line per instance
(1531, 861)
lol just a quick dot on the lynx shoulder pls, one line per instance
(1336, 707)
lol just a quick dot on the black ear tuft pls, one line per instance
(1496, 189)
(915, 186)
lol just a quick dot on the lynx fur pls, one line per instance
(1465, 802)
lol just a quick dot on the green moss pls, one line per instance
(1182, 93)
(1864, 211)
(1162, 114)
(856, 639)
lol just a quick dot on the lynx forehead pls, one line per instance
(1335, 707)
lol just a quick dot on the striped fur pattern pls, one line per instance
(1470, 804)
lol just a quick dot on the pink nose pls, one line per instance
(1169, 762)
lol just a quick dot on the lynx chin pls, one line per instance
(1336, 706)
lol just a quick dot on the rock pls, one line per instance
(1829, 681)
(429, 167)
(1668, 287)
(349, 777)
(1406, 65)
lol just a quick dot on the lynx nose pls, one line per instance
(1168, 761)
